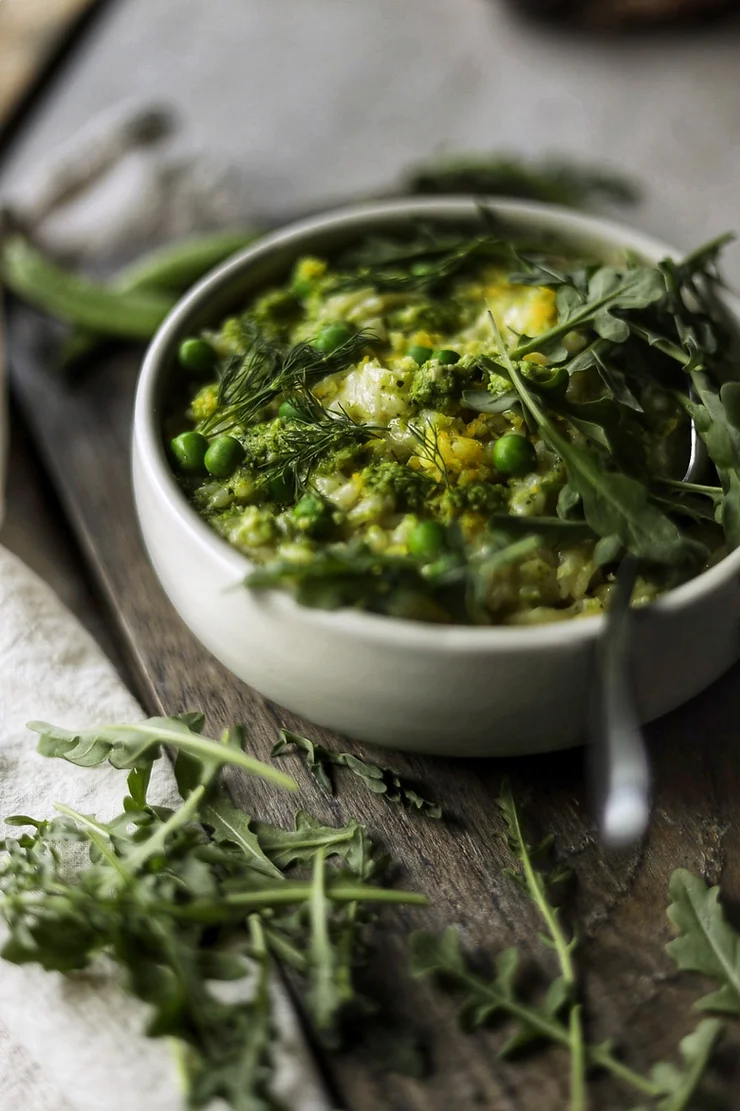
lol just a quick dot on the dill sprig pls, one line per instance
(429, 449)
(265, 370)
(422, 264)
(313, 434)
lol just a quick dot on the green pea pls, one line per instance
(331, 337)
(189, 449)
(312, 515)
(426, 540)
(287, 411)
(309, 506)
(514, 455)
(446, 357)
(419, 353)
(223, 456)
(197, 357)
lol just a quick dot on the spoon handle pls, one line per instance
(619, 765)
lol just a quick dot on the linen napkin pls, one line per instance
(77, 1043)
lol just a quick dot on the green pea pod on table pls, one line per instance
(77, 300)
(173, 269)
(132, 306)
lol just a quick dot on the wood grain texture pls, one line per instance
(30, 31)
(82, 430)
(35, 529)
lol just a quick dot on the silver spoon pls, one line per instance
(620, 770)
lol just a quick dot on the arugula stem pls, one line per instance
(284, 950)
(338, 893)
(670, 349)
(320, 954)
(691, 487)
(257, 1048)
(156, 843)
(563, 948)
(99, 836)
(538, 894)
(597, 1056)
(298, 892)
(578, 1093)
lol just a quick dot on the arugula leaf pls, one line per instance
(613, 504)
(680, 1084)
(316, 757)
(377, 779)
(615, 380)
(441, 956)
(351, 843)
(485, 998)
(229, 824)
(325, 997)
(139, 744)
(482, 401)
(608, 291)
(715, 417)
(706, 942)
(342, 576)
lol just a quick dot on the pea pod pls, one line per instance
(179, 265)
(173, 268)
(29, 274)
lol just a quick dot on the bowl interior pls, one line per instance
(229, 288)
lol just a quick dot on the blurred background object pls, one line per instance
(30, 33)
(626, 13)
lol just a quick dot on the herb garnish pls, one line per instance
(614, 505)
(183, 898)
(177, 909)
(249, 382)
(707, 944)
(376, 778)
(423, 263)
(312, 434)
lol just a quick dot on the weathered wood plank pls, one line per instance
(82, 430)
(35, 529)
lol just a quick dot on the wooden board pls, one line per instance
(82, 430)
(30, 32)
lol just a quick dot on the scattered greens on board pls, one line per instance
(377, 779)
(706, 943)
(181, 898)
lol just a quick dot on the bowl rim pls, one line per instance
(148, 447)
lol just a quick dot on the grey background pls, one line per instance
(326, 99)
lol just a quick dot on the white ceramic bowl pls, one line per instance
(445, 690)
